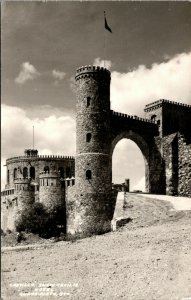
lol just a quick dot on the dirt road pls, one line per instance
(148, 259)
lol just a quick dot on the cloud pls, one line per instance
(28, 72)
(54, 133)
(58, 76)
(140, 185)
(131, 91)
(102, 63)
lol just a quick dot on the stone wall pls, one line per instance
(51, 192)
(70, 209)
(9, 208)
(184, 166)
(170, 156)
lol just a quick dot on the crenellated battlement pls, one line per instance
(159, 103)
(91, 71)
(40, 157)
(132, 117)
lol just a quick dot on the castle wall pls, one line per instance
(9, 207)
(71, 209)
(184, 166)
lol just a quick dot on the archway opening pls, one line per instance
(128, 163)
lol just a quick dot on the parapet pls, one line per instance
(91, 71)
(39, 157)
(133, 117)
(47, 174)
(22, 180)
(161, 102)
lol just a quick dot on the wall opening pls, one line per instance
(46, 169)
(61, 172)
(128, 163)
(88, 174)
(8, 178)
(88, 101)
(68, 172)
(15, 173)
(88, 137)
(25, 172)
(32, 172)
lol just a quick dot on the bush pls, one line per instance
(36, 219)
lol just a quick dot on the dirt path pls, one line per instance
(147, 259)
(179, 203)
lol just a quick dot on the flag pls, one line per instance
(106, 25)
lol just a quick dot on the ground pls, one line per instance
(147, 259)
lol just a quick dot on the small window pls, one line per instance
(88, 137)
(8, 176)
(15, 173)
(88, 174)
(61, 172)
(25, 172)
(88, 101)
(158, 122)
(32, 172)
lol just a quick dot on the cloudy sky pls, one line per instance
(148, 54)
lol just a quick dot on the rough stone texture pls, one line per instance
(93, 194)
(70, 209)
(184, 169)
(51, 193)
(170, 155)
(8, 212)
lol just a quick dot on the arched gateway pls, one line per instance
(163, 137)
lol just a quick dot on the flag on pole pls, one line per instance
(106, 25)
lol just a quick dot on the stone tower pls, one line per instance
(51, 193)
(93, 165)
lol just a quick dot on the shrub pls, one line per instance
(38, 220)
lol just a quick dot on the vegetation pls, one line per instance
(38, 220)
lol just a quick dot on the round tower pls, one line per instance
(92, 164)
(24, 193)
(51, 193)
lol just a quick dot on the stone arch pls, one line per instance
(143, 146)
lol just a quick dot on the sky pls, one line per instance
(43, 43)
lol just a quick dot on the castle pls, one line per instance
(84, 184)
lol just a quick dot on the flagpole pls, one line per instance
(33, 138)
(104, 42)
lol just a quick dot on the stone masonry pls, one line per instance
(163, 136)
